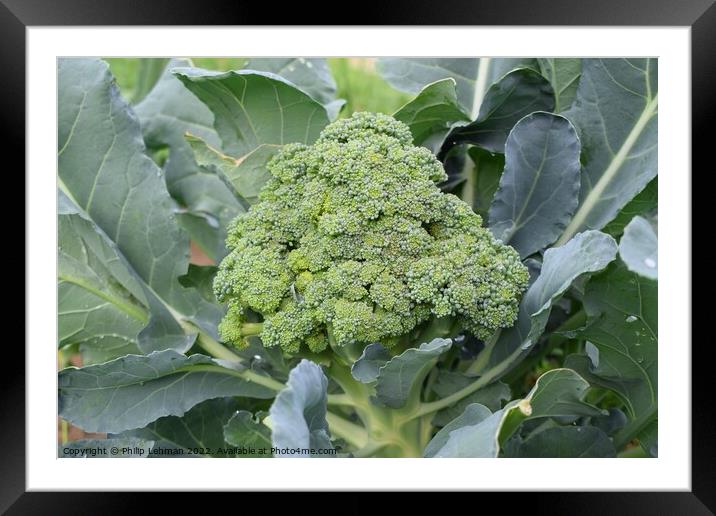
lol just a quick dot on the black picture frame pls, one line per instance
(700, 15)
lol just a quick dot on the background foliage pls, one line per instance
(557, 155)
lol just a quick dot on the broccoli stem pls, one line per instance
(352, 433)
(384, 433)
(251, 329)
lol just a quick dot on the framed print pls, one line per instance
(431, 246)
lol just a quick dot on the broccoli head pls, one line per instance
(352, 241)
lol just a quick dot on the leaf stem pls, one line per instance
(341, 400)
(219, 351)
(483, 72)
(484, 380)
(370, 448)
(352, 433)
(213, 347)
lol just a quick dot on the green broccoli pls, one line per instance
(353, 242)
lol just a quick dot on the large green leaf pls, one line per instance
(94, 277)
(432, 113)
(539, 187)
(449, 382)
(567, 442)
(105, 173)
(649, 437)
(587, 252)
(514, 96)
(644, 204)
(245, 176)
(560, 393)
(149, 73)
(252, 108)
(638, 248)
(201, 277)
(610, 423)
(616, 116)
(477, 433)
(563, 74)
(246, 432)
(482, 175)
(474, 416)
(101, 305)
(400, 379)
(367, 368)
(132, 391)
(100, 328)
(166, 114)
(298, 414)
(622, 329)
(312, 76)
(473, 76)
(198, 432)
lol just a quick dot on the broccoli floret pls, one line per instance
(353, 242)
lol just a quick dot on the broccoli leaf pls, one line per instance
(102, 307)
(298, 414)
(477, 433)
(644, 204)
(400, 379)
(638, 248)
(648, 438)
(166, 114)
(611, 423)
(474, 416)
(312, 76)
(560, 393)
(563, 74)
(245, 431)
(590, 251)
(539, 188)
(622, 327)
(449, 382)
(472, 76)
(566, 441)
(432, 113)
(482, 178)
(201, 278)
(245, 176)
(198, 432)
(252, 108)
(122, 193)
(616, 117)
(517, 94)
(367, 368)
(134, 390)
